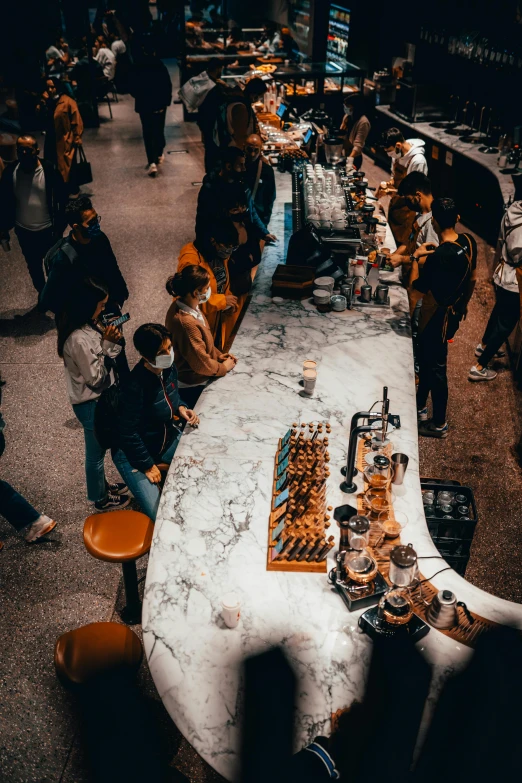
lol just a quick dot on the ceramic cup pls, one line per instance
(231, 609)
(325, 283)
(338, 303)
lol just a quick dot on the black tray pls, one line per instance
(459, 529)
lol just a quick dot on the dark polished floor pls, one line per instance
(49, 588)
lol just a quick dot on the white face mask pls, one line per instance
(164, 361)
(348, 110)
(394, 154)
(205, 297)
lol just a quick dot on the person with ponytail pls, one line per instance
(87, 349)
(196, 357)
(212, 252)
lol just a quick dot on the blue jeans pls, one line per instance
(15, 508)
(147, 494)
(94, 454)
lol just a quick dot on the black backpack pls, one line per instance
(62, 244)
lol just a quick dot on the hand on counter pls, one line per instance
(153, 474)
(189, 416)
(270, 239)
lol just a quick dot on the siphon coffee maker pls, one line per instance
(394, 614)
(356, 575)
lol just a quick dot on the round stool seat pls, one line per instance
(118, 536)
(95, 649)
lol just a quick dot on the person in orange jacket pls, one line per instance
(213, 252)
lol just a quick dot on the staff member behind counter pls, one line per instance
(407, 156)
(357, 127)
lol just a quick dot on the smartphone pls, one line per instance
(117, 321)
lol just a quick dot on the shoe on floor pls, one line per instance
(112, 502)
(422, 414)
(429, 430)
(481, 375)
(479, 350)
(161, 159)
(117, 489)
(40, 528)
(152, 170)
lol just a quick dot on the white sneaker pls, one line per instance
(481, 375)
(479, 350)
(161, 159)
(422, 414)
(152, 170)
(41, 527)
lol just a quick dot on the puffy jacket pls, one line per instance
(145, 424)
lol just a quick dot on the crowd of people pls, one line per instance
(138, 415)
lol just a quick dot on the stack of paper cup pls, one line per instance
(231, 609)
(325, 283)
(309, 364)
(309, 379)
(321, 297)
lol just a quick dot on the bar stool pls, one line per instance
(95, 649)
(121, 537)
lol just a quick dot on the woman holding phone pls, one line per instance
(88, 350)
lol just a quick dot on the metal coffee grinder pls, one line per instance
(356, 575)
(394, 614)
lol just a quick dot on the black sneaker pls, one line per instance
(117, 489)
(428, 430)
(112, 501)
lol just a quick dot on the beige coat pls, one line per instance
(69, 128)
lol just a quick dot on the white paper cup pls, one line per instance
(309, 380)
(309, 364)
(230, 610)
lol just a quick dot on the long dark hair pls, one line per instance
(79, 308)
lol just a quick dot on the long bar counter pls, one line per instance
(211, 529)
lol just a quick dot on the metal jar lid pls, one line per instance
(359, 524)
(403, 556)
(381, 461)
(446, 598)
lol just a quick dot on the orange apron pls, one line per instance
(400, 216)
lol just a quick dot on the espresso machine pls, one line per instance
(394, 613)
(356, 576)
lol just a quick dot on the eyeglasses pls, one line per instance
(94, 222)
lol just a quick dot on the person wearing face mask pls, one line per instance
(32, 200)
(212, 252)
(407, 155)
(63, 131)
(215, 188)
(259, 178)
(88, 351)
(85, 252)
(357, 127)
(415, 188)
(197, 359)
(149, 409)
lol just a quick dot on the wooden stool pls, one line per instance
(121, 537)
(98, 648)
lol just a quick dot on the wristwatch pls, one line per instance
(413, 257)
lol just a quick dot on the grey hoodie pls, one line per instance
(414, 159)
(511, 239)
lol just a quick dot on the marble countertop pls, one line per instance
(453, 143)
(211, 530)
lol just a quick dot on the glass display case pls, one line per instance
(318, 79)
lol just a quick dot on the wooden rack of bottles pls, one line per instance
(298, 537)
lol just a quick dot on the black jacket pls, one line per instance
(94, 259)
(210, 201)
(150, 85)
(145, 424)
(54, 191)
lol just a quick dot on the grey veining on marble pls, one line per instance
(454, 143)
(212, 524)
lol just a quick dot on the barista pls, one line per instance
(407, 156)
(415, 189)
(357, 126)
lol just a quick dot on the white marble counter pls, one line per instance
(211, 529)
(453, 143)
